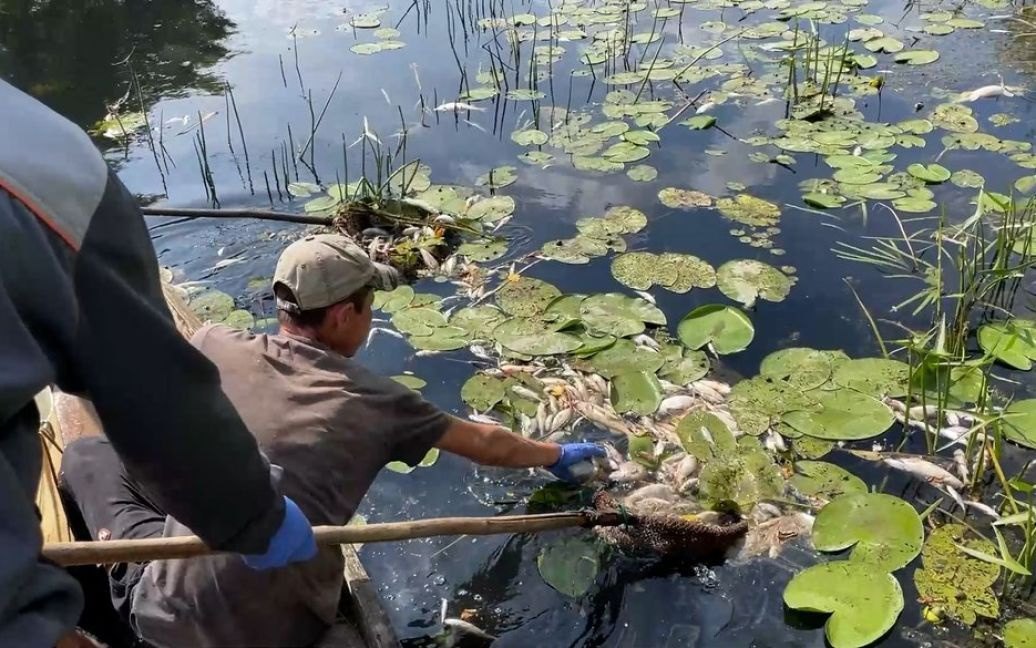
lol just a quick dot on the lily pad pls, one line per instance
(640, 270)
(483, 392)
(801, 367)
(411, 381)
(688, 367)
(700, 122)
(953, 582)
(619, 315)
(750, 210)
(526, 296)
(394, 300)
(843, 415)
(642, 173)
(212, 305)
(675, 198)
(418, 321)
(623, 219)
(533, 337)
(498, 177)
(1020, 633)
(477, 321)
(758, 403)
(877, 377)
(746, 280)
(705, 436)
(725, 328)
(745, 477)
(529, 137)
(569, 565)
(492, 209)
(1020, 422)
(483, 249)
(625, 357)
(929, 173)
(864, 603)
(449, 338)
(916, 57)
(1012, 342)
(691, 272)
(884, 532)
(826, 480)
(636, 392)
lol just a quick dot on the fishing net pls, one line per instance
(684, 537)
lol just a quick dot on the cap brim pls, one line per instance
(385, 277)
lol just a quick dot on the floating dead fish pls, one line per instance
(429, 260)
(464, 634)
(960, 462)
(561, 419)
(646, 296)
(987, 92)
(445, 218)
(457, 106)
(705, 107)
(924, 470)
(769, 537)
(427, 353)
(374, 231)
(628, 472)
(686, 469)
(483, 418)
(984, 508)
(672, 404)
(646, 341)
(525, 392)
(387, 331)
(651, 491)
(774, 442)
(480, 351)
(411, 230)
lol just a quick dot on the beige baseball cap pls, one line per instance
(325, 269)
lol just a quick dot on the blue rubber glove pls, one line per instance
(573, 454)
(293, 541)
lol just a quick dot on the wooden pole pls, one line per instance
(262, 214)
(118, 551)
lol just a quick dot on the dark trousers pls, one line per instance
(110, 506)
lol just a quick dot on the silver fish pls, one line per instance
(457, 105)
(646, 341)
(430, 261)
(924, 470)
(628, 472)
(561, 419)
(526, 393)
(678, 403)
(686, 469)
(774, 442)
(483, 418)
(444, 218)
(378, 329)
(463, 633)
(646, 296)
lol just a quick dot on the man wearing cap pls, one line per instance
(328, 423)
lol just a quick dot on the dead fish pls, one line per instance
(646, 296)
(411, 230)
(374, 231)
(986, 92)
(378, 329)
(427, 353)
(678, 403)
(463, 634)
(526, 393)
(920, 412)
(651, 491)
(768, 537)
(541, 417)
(924, 470)
(430, 261)
(705, 107)
(457, 105)
(686, 469)
(561, 419)
(420, 204)
(646, 341)
(597, 383)
(774, 442)
(482, 418)
(984, 508)
(628, 472)
(613, 456)
(445, 218)
(480, 352)
(602, 418)
(960, 462)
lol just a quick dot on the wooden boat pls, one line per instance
(362, 622)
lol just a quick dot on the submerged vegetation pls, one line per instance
(940, 403)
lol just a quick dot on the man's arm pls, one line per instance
(492, 445)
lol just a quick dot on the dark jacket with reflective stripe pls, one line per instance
(81, 307)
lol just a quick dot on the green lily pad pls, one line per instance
(953, 582)
(212, 305)
(726, 328)
(638, 392)
(529, 137)
(758, 403)
(623, 219)
(864, 603)
(526, 296)
(967, 179)
(366, 21)
(801, 367)
(477, 321)
(914, 205)
(533, 337)
(418, 321)
(745, 477)
(483, 392)
(884, 532)
(700, 122)
(625, 357)
(498, 177)
(823, 201)
(877, 377)
(1003, 119)
(705, 436)
(569, 565)
(691, 272)
(822, 479)
(640, 270)
(675, 198)
(619, 315)
(448, 338)
(483, 249)
(428, 460)
(746, 280)
(480, 93)
(642, 173)
(394, 300)
(303, 189)
(955, 118)
(1020, 633)
(239, 319)
(1013, 342)
(626, 152)
(536, 158)
(750, 210)
(930, 173)
(684, 369)
(843, 415)
(916, 57)
(525, 94)
(884, 44)
(366, 49)
(1020, 422)
(492, 209)
(411, 381)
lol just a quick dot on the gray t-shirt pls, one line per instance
(331, 425)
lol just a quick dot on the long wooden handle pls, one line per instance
(119, 551)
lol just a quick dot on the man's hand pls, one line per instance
(573, 454)
(293, 541)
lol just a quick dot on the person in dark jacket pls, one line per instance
(81, 307)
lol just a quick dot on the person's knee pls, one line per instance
(83, 461)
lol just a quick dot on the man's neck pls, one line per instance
(305, 332)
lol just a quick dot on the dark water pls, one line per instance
(77, 56)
